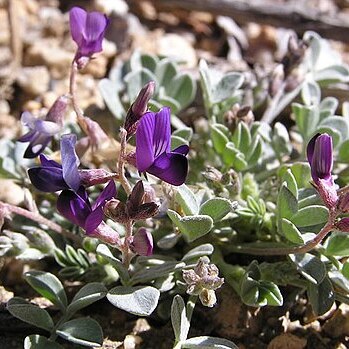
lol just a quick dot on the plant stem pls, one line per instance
(37, 217)
(288, 250)
(126, 253)
(121, 162)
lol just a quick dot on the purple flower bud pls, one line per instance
(41, 131)
(343, 203)
(153, 149)
(87, 30)
(138, 108)
(319, 153)
(343, 225)
(95, 176)
(142, 243)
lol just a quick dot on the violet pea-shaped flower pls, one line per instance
(320, 158)
(41, 130)
(76, 207)
(142, 243)
(51, 176)
(153, 149)
(87, 30)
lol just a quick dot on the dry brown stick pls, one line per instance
(295, 15)
(15, 31)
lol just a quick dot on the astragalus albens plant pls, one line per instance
(160, 207)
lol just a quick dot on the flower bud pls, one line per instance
(116, 210)
(343, 225)
(138, 108)
(142, 243)
(107, 234)
(343, 203)
(57, 111)
(95, 176)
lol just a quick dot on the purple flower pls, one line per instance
(76, 207)
(41, 131)
(153, 149)
(51, 176)
(319, 153)
(87, 30)
(142, 243)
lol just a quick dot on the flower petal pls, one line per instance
(73, 207)
(162, 132)
(171, 168)
(28, 119)
(46, 162)
(48, 127)
(70, 161)
(27, 137)
(108, 193)
(94, 219)
(77, 19)
(37, 145)
(144, 142)
(143, 242)
(47, 179)
(182, 149)
(320, 154)
(96, 24)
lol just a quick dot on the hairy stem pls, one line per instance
(121, 162)
(126, 252)
(37, 217)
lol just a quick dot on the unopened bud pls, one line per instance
(107, 234)
(343, 225)
(238, 114)
(58, 109)
(95, 176)
(343, 203)
(142, 243)
(138, 108)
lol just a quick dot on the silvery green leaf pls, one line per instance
(339, 280)
(177, 141)
(135, 80)
(84, 331)
(343, 152)
(332, 74)
(205, 81)
(194, 227)
(30, 313)
(311, 93)
(281, 140)
(338, 245)
(219, 138)
(338, 123)
(243, 140)
(329, 104)
(48, 285)
(169, 102)
(165, 283)
(255, 152)
(226, 87)
(150, 273)
(197, 252)
(271, 293)
(287, 206)
(180, 322)
(141, 300)
(104, 251)
(216, 208)
(168, 241)
(87, 295)
(321, 296)
(187, 200)
(232, 157)
(291, 232)
(307, 119)
(185, 133)
(31, 254)
(310, 215)
(110, 94)
(206, 342)
(36, 341)
(149, 62)
(165, 71)
(182, 89)
(291, 183)
(310, 267)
